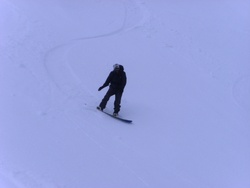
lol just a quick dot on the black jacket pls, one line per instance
(117, 80)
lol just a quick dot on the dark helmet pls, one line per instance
(118, 67)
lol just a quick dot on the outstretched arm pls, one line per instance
(106, 83)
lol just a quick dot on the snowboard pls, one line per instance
(116, 117)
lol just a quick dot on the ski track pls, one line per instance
(70, 85)
(64, 49)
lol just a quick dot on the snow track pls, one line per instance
(62, 70)
(62, 74)
(187, 92)
(57, 57)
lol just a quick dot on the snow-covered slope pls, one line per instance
(187, 64)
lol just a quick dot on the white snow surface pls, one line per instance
(188, 94)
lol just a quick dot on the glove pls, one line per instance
(100, 88)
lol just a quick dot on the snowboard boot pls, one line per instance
(99, 108)
(115, 114)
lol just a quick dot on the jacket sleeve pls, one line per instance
(108, 80)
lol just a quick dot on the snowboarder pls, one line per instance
(116, 80)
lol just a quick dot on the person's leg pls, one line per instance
(105, 99)
(117, 103)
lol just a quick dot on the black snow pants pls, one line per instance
(117, 102)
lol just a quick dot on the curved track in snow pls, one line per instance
(56, 58)
(66, 80)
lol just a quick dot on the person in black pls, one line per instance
(117, 81)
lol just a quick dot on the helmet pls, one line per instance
(116, 66)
